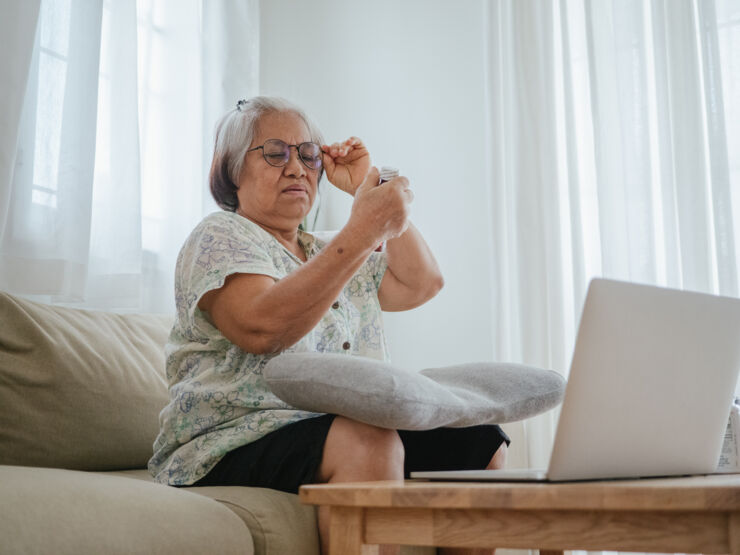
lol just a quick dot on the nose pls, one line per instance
(294, 167)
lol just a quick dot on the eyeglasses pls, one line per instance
(277, 153)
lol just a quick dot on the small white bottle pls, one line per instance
(387, 173)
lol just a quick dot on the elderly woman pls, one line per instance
(251, 284)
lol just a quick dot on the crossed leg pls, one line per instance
(357, 452)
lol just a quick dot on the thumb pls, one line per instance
(327, 160)
(371, 179)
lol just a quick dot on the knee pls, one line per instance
(498, 460)
(376, 447)
(362, 452)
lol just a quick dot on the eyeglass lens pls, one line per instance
(277, 153)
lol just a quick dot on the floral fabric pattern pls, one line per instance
(219, 399)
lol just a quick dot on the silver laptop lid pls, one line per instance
(651, 382)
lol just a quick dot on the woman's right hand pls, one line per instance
(380, 212)
(346, 163)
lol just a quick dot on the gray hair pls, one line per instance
(235, 132)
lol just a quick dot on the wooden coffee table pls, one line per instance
(688, 515)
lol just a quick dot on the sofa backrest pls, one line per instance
(79, 389)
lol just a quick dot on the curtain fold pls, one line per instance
(717, 142)
(115, 255)
(528, 264)
(684, 145)
(44, 247)
(18, 30)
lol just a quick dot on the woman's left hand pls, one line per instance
(346, 164)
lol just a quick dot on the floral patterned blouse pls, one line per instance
(219, 399)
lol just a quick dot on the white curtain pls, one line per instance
(107, 164)
(17, 30)
(614, 130)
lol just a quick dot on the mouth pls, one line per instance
(295, 190)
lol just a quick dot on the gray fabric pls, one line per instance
(380, 394)
(49, 510)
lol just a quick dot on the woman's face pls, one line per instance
(277, 197)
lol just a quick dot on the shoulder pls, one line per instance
(228, 223)
(226, 230)
(225, 242)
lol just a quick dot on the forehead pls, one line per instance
(286, 126)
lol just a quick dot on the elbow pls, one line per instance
(439, 283)
(269, 343)
(260, 342)
(400, 296)
(432, 285)
(436, 283)
(263, 347)
(254, 333)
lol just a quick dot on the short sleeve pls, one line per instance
(377, 264)
(217, 248)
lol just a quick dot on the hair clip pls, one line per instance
(241, 103)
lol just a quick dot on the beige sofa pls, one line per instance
(80, 394)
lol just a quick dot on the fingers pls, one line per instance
(402, 184)
(398, 184)
(384, 208)
(336, 150)
(329, 164)
(407, 195)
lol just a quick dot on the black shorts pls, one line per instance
(289, 457)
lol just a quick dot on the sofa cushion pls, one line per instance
(79, 389)
(383, 395)
(278, 521)
(47, 510)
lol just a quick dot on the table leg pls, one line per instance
(346, 532)
(734, 533)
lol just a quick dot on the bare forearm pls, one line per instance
(411, 261)
(295, 304)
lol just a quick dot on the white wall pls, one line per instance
(407, 77)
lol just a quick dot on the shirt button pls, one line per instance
(335, 305)
(346, 346)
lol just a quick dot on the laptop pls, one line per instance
(650, 388)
